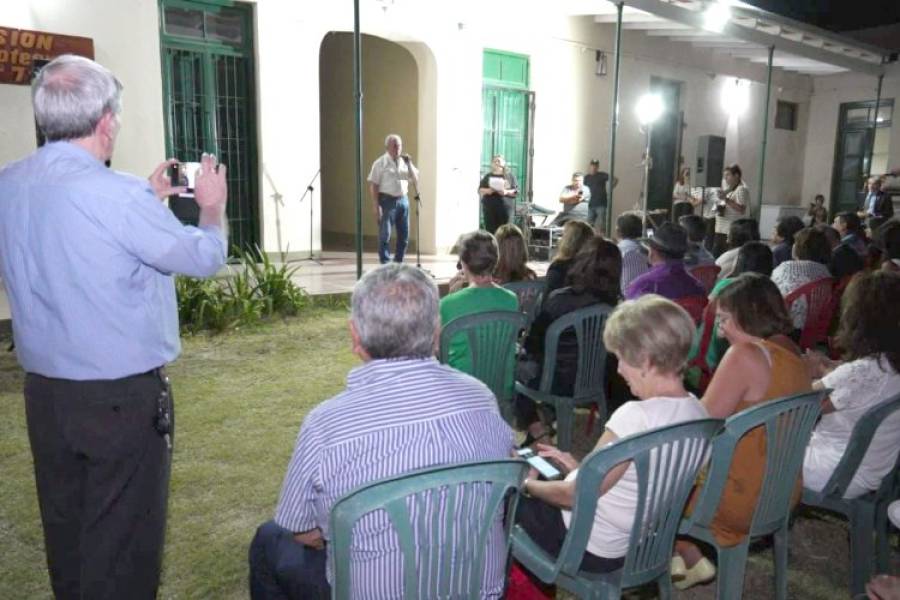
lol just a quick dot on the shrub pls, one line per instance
(255, 290)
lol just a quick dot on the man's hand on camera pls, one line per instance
(210, 188)
(162, 183)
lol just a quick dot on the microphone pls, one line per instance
(406, 157)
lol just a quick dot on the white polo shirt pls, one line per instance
(392, 176)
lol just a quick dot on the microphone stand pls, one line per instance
(309, 190)
(418, 199)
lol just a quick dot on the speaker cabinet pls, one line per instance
(710, 161)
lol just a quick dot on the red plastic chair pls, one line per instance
(706, 275)
(694, 305)
(699, 361)
(820, 307)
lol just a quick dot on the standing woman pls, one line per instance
(682, 201)
(498, 190)
(734, 200)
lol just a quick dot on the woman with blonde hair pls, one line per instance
(576, 235)
(650, 337)
(512, 262)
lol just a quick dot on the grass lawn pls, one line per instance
(240, 399)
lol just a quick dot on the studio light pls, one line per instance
(649, 108)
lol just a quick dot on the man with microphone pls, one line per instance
(388, 184)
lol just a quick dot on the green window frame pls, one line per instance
(209, 101)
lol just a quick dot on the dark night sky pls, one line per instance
(836, 15)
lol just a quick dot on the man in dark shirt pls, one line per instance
(596, 181)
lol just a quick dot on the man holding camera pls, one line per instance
(87, 256)
(575, 198)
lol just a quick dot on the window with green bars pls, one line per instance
(208, 95)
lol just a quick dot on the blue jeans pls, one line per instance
(394, 213)
(597, 217)
(282, 569)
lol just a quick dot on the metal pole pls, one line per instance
(357, 90)
(874, 131)
(614, 121)
(762, 153)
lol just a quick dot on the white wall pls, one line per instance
(828, 95)
(126, 41)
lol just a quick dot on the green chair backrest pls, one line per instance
(667, 461)
(443, 518)
(590, 378)
(860, 438)
(788, 424)
(530, 295)
(491, 338)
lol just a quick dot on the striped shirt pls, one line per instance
(394, 417)
(634, 261)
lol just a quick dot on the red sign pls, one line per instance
(19, 48)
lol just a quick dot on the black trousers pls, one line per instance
(102, 473)
(497, 211)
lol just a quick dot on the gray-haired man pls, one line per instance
(388, 185)
(401, 411)
(87, 256)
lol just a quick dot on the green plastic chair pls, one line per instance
(443, 517)
(590, 378)
(667, 461)
(492, 338)
(789, 423)
(530, 295)
(866, 513)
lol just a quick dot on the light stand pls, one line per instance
(310, 189)
(649, 108)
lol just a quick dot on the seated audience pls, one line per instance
(762, 364)
(629, 229)
(783, 237)
(874, 253)
(753, 257)
(817, 212)
(512, 262)
(845, 261)
(888, 238)
(401, 411)
(667, 276)
(739, 233)
(868, 333)
(849, 227)
(575, 235)
(696, 254)
(592, 279)
(811, 257)
(650, 337)
(478, 254)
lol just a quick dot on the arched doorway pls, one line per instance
(391, 105)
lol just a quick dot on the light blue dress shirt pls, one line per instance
(87, 256)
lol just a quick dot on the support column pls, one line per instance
(614, 125)
(874, 130)
(765, 129)
(357, 96)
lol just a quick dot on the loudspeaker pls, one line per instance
(710, 161)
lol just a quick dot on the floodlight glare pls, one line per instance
(716, 16)
(735, 97)
(649, 108)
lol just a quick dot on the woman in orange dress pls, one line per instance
(762, 364)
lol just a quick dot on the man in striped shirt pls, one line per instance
(634, 256)
(401, 411)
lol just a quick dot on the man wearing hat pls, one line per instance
(667, 275)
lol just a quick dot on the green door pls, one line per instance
(208, 97)
(856, 154)
(507, 106)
